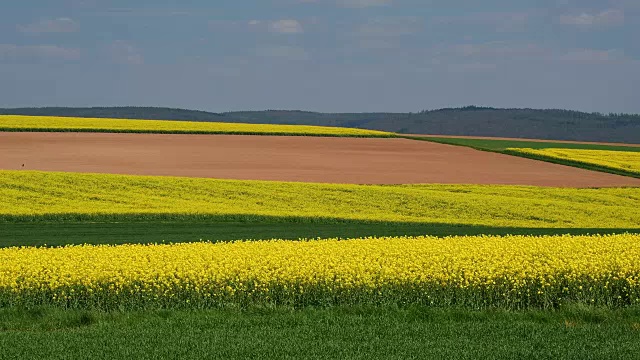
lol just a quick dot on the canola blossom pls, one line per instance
(53, 123)
(625, 162)
(477, 272)
(56, 196)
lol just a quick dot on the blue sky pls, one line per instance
(321, 55)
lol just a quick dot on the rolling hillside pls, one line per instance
(470, 120)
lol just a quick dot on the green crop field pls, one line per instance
(596, 157)
(66, 124)
(499, 144)
(336, 333)
(618, 162)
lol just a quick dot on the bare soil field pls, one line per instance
(308, 159)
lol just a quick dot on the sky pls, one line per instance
(321, 55)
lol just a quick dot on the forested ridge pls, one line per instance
(552, 124)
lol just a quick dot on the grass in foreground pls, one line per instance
(27, 196)
(64, 124)
(513, 272)
(619, 162)
(339, 333)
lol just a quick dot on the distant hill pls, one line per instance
(548, 124)
(125, 112)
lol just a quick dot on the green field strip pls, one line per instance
(138, 232)
(614, 168)
(16, 123)
(339, 333)
(499, 145)
(509, 147)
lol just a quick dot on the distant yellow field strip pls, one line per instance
(626, 161)
(49, 123)
(481, 271)
(34, 195)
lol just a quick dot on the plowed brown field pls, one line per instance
(287, 158)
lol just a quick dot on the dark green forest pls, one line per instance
(551, 124)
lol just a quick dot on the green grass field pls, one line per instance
(512, 147)
(71, 124)
(499, 145)
(617, 162)
(337, 333)
(140, 232)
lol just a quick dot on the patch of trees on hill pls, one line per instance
(552, 124)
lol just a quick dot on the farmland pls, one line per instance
(497, 144)
(621, 162)
(71, 124)
(287, 158)
(512, 272)
(618, 159)
(346, 333)
(28, 196)
(455, 251)
(44, 197)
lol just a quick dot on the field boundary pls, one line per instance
(540, 141)
(192, 132)
(572, 163)
(195, 217)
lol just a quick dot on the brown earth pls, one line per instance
(287, 158)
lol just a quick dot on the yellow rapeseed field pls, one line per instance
(625, 161)
(477, 272)
(56, 196)
(52, 123)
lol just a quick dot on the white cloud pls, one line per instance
(285, 26)
(12, 52)
(59, 25)
(604, 18)
(124, 53)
